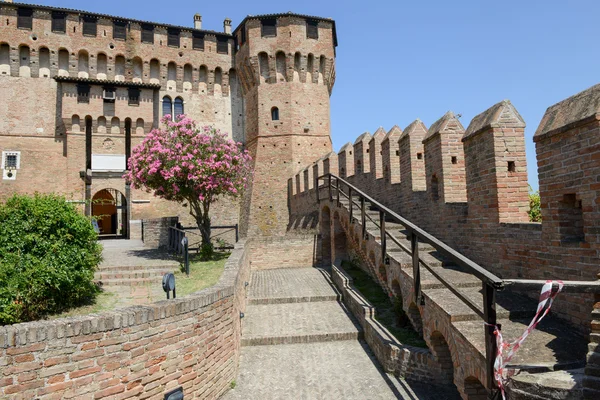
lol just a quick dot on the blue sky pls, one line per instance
(402, 60)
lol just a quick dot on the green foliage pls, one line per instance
(48, 254)
(535, 211)
(233, 384)
(207, 251)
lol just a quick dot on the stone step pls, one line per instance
(111, 268)
(267, 324)
(130, 282)
(552, 346)
(136, 274)
(563, 385)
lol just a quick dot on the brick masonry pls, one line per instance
(134, 352)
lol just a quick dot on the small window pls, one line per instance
(222, 45)
(312, 29)
(167, 106)
(178, 107)
(419, 156)
(90, 26)
(243, 35)
(275, 114)
(147, 33)
(173, 37)
(83, 93)
(109, 94)
(25, 18)
(454, 160)
(119, 30)
(134, 96)
(269, 27)
(59, 22)
(11, 160)
(198, 41)
(511, 166)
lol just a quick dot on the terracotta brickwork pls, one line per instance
(193, 343)
(478, 201)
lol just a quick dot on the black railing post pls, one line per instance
(383, 237)
(414, 248)
(237, 233)
(351, 203)
(491, 347)
(337, 189)
(318, 189)
(363, 217)
(330, 195)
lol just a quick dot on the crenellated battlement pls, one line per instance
(469, 188)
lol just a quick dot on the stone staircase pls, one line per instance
(551, 358)
(300, 342)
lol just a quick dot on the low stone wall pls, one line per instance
(191, 342)
(155, 232)
(409, 362)
(282, 252)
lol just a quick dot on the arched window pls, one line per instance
(119, 68)
(24, 55)
(178, 109)
(218, 87)
(83, 64)
(63, 62)
(154, 71)
(44, 55)
(167, 106)
(138, 69)
(275, 114)
(187, 77)
(102, 66)
(4, 59)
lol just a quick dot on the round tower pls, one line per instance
(286, 64)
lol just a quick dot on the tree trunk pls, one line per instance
(199, 210)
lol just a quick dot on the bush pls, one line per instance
(535, 211)
(48, 254)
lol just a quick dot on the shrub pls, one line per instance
(535, 211)
(48, 254)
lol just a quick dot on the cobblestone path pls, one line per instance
(299, 342)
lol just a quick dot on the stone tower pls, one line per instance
(285, 63)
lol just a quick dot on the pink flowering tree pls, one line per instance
(188, 164)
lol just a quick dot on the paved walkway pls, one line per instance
(299, 342)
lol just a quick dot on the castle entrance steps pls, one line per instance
(300, 342)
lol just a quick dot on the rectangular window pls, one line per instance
(25, 18)
(83, 93)
(109, 94)
(134, 96)
(222, 45)
(173, 37)
(11, 160)
(59, 22)
(119, 30)
(269, 27)
(312, 29)
(198, 41)
(90, 26)
(147, 33)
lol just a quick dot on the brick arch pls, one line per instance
(101, 65)
(297, 66)
(441, 351)
(24, 60)
(263, 67)
(280, 66)
(138, 69)
(83, 64)
(325, 229)
(75, 123)
(310, 67)
(383, 273)
(474, 390)
(414, 315)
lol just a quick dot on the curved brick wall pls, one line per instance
(192, 342)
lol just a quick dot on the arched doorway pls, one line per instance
(109, 208)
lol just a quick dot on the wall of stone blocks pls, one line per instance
(297, 251)
(155, 232)
(191, 342)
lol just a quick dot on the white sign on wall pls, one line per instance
(108, 162)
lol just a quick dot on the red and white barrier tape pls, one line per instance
(500, 371)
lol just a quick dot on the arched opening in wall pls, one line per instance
(24, 61)
(83, 64)
(101, 66)
(187, 77)
(203, 79)
(441, 351)
(342, 172)
(371, 257)
(263, 66)
(234, 84)
(322, 64)
(4, 59)
(138, 69)
(154, 71)
(415, 318)
(358, 166)
(167, 106)
(325, 228)
(275, 114)
(119, 68)
(218, 88)
(101, 125)
(383, 273)
(310, 67)
(171, 76)
(297, 66)
(88, 141)
(178, 107)
(474, 389)
(435, 189)
(115, 125)
(63, 62)
(139, 126)
(280, 65)
(396, 289)
(109, 207)
(44, 55)
(75, 123)
(339, 239)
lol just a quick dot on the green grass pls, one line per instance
(388, 313)
(103, 302)
(203, 274)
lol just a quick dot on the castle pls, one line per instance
(80, 90)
